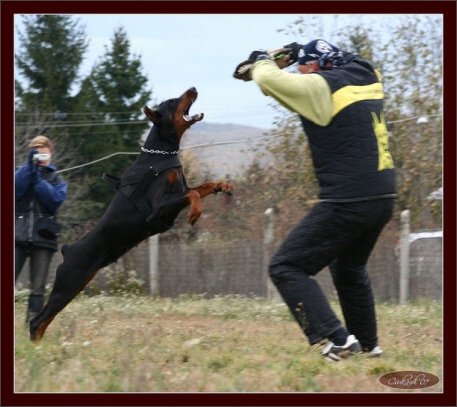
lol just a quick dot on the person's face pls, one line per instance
(309, 67)
(45, 150)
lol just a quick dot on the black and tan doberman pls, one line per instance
(148, 198)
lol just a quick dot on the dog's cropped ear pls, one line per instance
(152, 115)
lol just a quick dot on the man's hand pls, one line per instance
(279, 55)
(259, 55)
(283, 62)
(295, 49)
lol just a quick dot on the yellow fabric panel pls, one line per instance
(382, 136)
(350, 94)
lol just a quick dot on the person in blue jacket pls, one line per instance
(339, 99)
(39, 192)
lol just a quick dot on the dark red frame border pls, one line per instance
(9, 8)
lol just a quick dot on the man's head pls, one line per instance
(310, 56)
(314, 50)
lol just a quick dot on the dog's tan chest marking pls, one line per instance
(172, 177)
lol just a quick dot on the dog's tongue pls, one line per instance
(194, 118)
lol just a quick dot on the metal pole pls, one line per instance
(154, 265)
(268, 238)
(404, 257)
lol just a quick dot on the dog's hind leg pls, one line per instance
(82, 261)
(71, 277)
(120, 228)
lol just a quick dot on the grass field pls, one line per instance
(224, 344)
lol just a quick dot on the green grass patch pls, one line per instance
(225, 344)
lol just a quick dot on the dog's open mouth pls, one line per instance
(191, 119)
(194, 118)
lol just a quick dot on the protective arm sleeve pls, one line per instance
(308, 95)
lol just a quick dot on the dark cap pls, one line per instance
(314, 50)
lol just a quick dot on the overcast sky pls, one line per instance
(202, 50)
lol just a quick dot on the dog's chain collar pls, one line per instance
(159, 151)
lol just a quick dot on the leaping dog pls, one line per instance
(148, 198)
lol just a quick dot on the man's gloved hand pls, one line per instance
(278, 55)
(259, 55)
(295, 50)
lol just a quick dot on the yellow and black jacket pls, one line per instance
(341, 110)
(351, 154)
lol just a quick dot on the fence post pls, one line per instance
(153, 242)
(268, 238)
(404, 257)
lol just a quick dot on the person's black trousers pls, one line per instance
(341, 236)
(40, 259)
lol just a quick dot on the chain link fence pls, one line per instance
(240, 267)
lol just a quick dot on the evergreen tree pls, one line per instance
(120, 86)
(109, 107)
(50, 54)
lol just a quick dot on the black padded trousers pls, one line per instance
(341, 236)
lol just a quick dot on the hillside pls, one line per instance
(234, 156)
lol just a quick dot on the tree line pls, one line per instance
(101, 113)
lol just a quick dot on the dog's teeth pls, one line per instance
(193, 118)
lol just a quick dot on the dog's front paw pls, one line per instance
(193, 215)
(225, 187)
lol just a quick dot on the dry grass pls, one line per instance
(226, 344)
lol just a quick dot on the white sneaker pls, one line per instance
(334, 353)
(376, 352)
